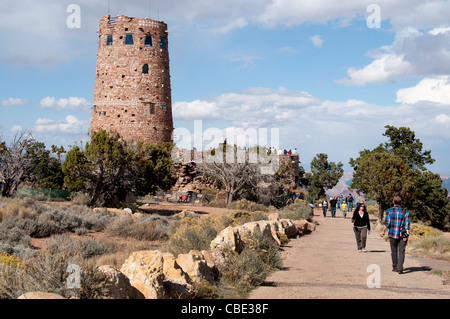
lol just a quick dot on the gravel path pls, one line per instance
(326, 264)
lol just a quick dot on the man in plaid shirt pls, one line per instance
(397, 218)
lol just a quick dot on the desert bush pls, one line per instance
(241, 217)
(296, 212)
(193, 234)
(247, 205)
(248, 269)
(219, 203)
(149, 228)
(85, 246)
(48, 272)
(438, 245)
(418, 230)
(9, 259)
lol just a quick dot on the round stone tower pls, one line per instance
(132, 93)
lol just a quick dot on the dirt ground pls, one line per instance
(327, 265)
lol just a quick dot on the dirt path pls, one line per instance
(327, 265)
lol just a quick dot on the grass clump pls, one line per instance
(296, 211)
(193, 233)
(149, 228)
(244, 271)
(48, 272)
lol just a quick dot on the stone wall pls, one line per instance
(132, 94)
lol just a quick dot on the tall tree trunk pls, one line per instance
(380, 213)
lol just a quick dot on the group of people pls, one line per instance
(343, 204)
(397, 223)
(286, 152)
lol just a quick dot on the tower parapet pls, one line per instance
(132, 94)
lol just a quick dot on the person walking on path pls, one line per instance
(324, 207)
(350, 202)
(333, 204)
(340, 201)
(344, 209)
(398, 222)
(361, 226)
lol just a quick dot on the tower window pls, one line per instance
(148, 41)
(145, 69)
(163, 43)
(129, 39)
(163, 107)
(109, 39)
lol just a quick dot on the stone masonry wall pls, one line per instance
(132, 94)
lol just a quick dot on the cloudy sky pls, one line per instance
(328, 74)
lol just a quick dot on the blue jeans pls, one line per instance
(324, 211)
(333, 211)
(350, 206)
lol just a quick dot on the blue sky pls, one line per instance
(313, 69)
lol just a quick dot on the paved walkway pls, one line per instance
(326, 264)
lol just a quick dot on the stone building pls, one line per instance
(132, 94)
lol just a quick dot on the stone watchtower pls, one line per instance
(132, 93)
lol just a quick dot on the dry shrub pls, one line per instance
(248, 269)
(87, 247)
(49, 272)
(142, 228)
(193, 234)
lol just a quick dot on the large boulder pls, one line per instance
(145, 271)
(120, 286)
(228, 238)
(196, 267)
(177, 283)
(304, 227)
(234, 237)
(288, 228)
(40, 295)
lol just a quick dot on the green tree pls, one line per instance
(397, 167)
(381, 176)
(102, 170)
(324, 175)
(108, 169)
(403, 143)
(47, 170)
(152, 165)
(430, 201)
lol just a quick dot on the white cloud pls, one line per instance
(442, 119)
(312, 124)
(436, 89)
(71, 103)
(42, 26)
(235, 24)
(413, 54)
(70, 125)
(14, 102)
(317, 40)
(16, 128)
(246, 61)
